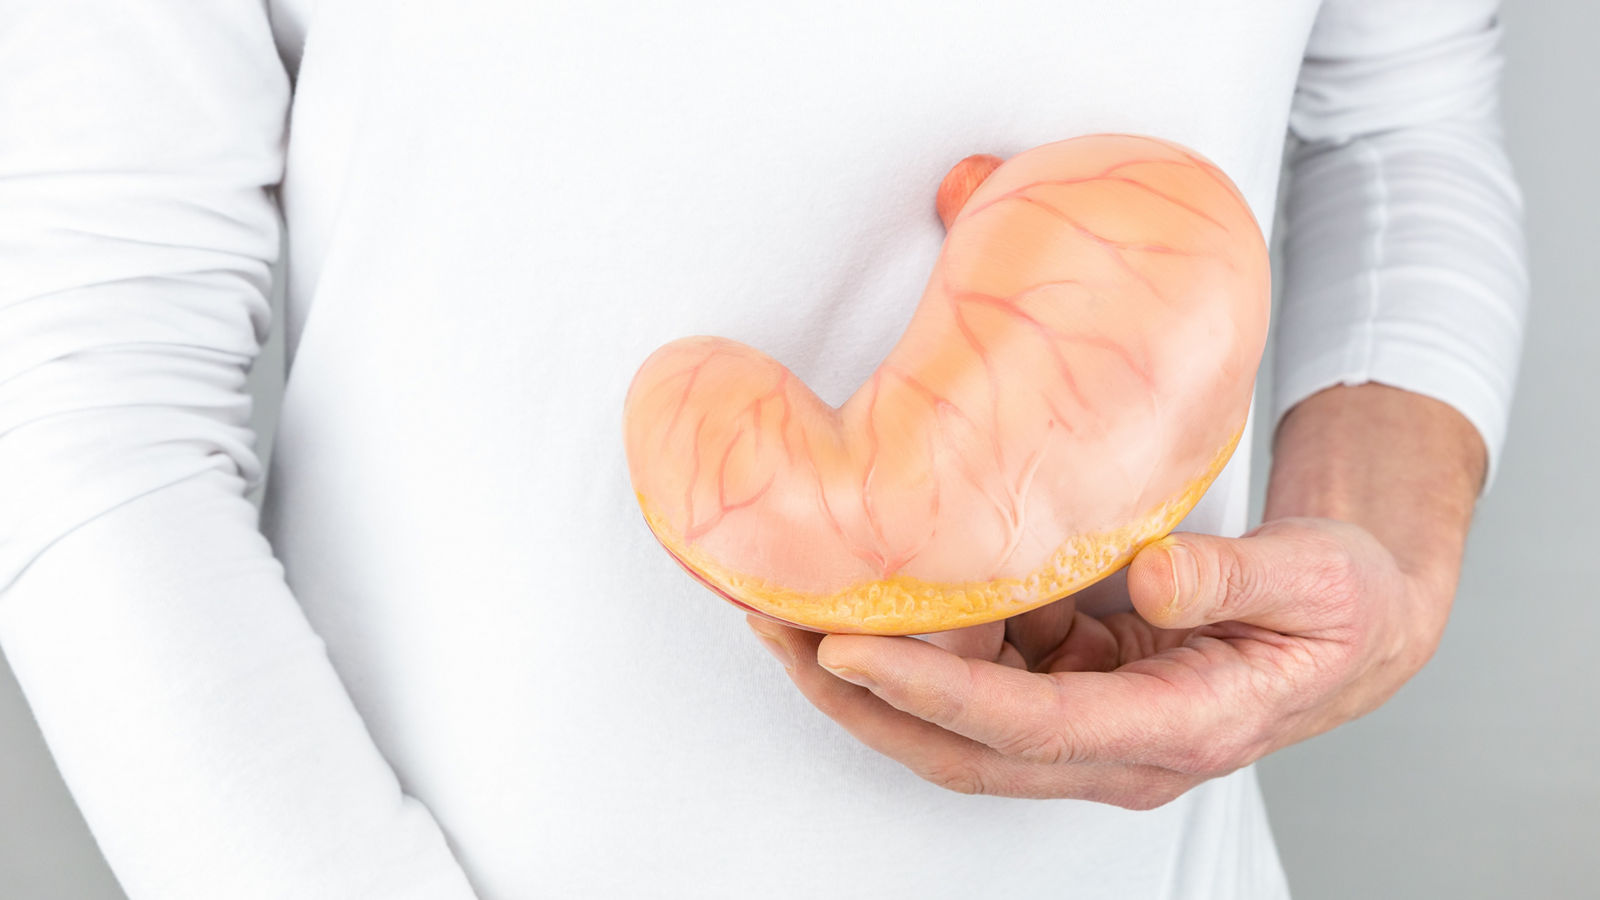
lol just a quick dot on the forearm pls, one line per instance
(1404, 466)
(197, 719)
(1404, 261)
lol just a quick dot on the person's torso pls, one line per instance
(495, 212)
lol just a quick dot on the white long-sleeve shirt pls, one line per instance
(449, 660)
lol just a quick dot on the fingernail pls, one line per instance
(770, 640)
(854, 676)
(1185, 573)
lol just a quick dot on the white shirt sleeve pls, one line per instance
(1404, 259)
(191, 709)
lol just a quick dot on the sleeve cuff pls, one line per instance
(1441, 376)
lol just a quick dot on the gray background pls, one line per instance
(1481, 778)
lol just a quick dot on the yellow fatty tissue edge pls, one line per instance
(903, 604)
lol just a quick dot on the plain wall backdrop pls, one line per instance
(1481, 778)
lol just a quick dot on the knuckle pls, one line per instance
(1152, 795)
(1046, 747)
(830, 703)
(962, 775)
(1335, 577)
(1145, 799)
(831, 697)
(1234, 582)
(944, 705)
(1048, 737)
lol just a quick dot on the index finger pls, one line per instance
(951, 760)
(1157, 712)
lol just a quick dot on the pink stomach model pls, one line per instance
(1075, 376)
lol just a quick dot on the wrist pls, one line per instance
(1402, 465)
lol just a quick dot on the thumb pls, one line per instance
(1292, 576)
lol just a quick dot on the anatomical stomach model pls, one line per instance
(1077, 373)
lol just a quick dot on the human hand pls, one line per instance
(1241, 646)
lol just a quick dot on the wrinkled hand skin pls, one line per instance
(1239, 647)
